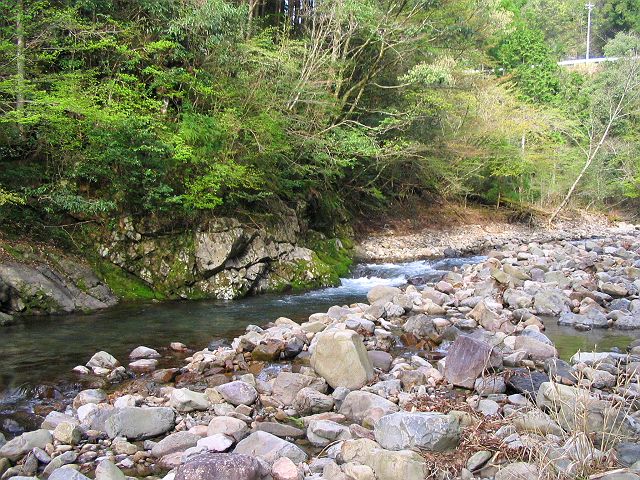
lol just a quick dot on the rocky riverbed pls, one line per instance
(453, 380)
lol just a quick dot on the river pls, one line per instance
(43, 350)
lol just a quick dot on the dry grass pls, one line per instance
(476, 437)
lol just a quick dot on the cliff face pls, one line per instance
(222, 258)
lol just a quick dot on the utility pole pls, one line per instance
(589, 6)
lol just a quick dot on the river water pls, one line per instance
(43, 350)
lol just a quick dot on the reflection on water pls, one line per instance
(568, 340)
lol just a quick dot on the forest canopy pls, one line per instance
(187, 108)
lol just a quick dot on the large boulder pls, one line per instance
(340, 357)
(140, 423)
(359, 405)
(419, 430)
(220, 466)
(20, 446)
(270, 448)
(467, 359)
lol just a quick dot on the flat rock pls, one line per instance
(176, 442)
(279, 429)
(23, 444)
(270, 448)
(139, 423)
(185, 400)
(220, 466)
(422, 430)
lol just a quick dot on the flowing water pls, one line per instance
(42, 351)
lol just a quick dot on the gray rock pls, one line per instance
(550, 302)
(518, 471)
(108, 471)
(143, 352)
(176, 442)
(279, 429)
(466, 360)
(48, 291)
(184, 400)
(309, 401)
(429, 431)
(380, 359)
(490, 385)
(323, 432)
(220, 466)
(270, 448)
(478, 459)
(340, 357)
(103, 359)
(628, 453)
(139, 423)
(20, 446)
(92, 395)
(232, 427)
(593, 319)
(536, 350)
(287, 385)
(53, 419)
(60, 461)
(382, 294)
(420, 326)
(560, 371)
(358, 405)
(526, 382)
(238, 393)
(67, 473)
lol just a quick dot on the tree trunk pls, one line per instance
(20, 63)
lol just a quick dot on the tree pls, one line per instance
(615, 97)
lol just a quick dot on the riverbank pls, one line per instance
(456, 379)
(476, 233)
